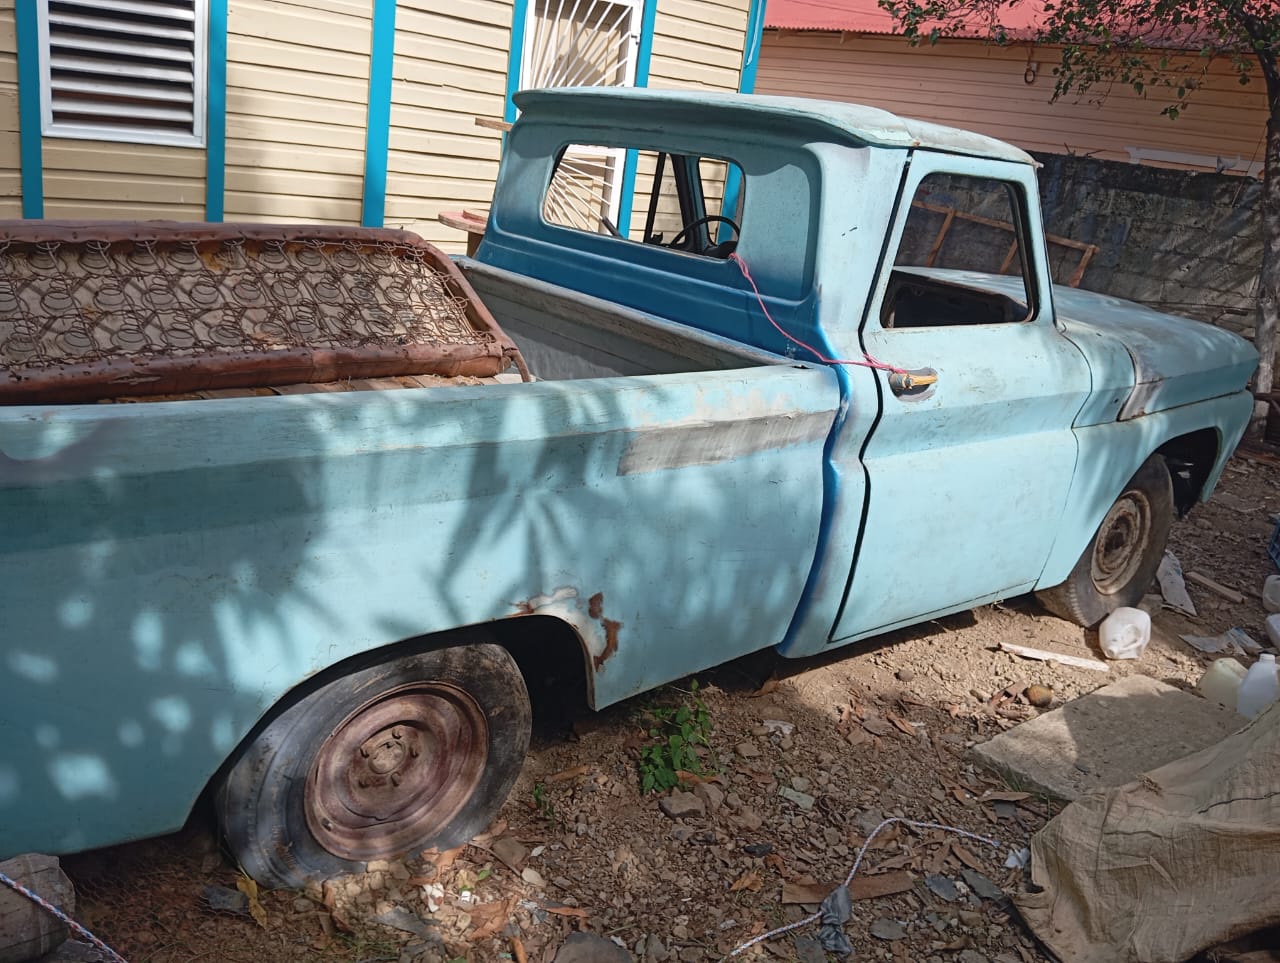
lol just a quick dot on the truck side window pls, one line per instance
(957, 226)
(679, 198)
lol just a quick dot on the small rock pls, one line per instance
(970, 918)
(749, 820)
(532, 877)
(509, 850)
(589, 948)
(377, 866)
(809, 950)
(973, 956)
(680, 931)
(982, 886)
(757, 850)
(400, 918)
(303, 905)
(222, 899)
(400, 871)
(801, 799)
(654, 951)
(746, 750)
(733, 801)
(905, 675)
(692, 954)
(942, 887)
(800, 784)
(711, 794)
(782, 728)
(887, 929)
(680, 804)
(868, 820)
(1040, 696)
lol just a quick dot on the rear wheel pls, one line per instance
(1121, 559)
(390, 758)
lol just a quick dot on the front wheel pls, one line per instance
(390, 758)
(1121, 560)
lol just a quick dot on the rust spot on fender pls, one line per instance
(610, 641)
(595, 605)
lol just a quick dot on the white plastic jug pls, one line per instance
(1125, 633)
(1221, 682)
(1273, 629)
(1260, 688)
(1271, 593)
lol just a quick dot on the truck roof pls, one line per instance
(847, 123)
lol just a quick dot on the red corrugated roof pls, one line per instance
(865, 16)
(1019, 19)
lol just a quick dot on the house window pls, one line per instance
(124, 70)
(962, 257)
(575, 43)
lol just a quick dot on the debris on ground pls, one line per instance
(1107, 738)
(1168, 865)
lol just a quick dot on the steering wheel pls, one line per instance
(694, 225)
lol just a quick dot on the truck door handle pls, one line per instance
(911, 383)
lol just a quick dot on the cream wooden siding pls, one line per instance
(297, 90)
(99, 179)
(450, 68)
(10, 163)
(969, 84)
(698, 44)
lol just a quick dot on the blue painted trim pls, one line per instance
(378, 124)
(215, 181)
(751, 48)
(746, 85)
(515, 57)
(30, 136)
(644, 53)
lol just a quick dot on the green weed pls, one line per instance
(677, 732)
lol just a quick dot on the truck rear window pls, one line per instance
(683, 202)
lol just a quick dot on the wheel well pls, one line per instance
(1190, 458)
(549, 653)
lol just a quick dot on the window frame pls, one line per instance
(1020, 211)
(123, 134)
(685, 170)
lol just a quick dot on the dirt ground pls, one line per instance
(804, 760)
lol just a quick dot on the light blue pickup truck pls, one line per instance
(817, 385)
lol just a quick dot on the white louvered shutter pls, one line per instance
(127, 70)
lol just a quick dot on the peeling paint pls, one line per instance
(599, 634)
(711, 443)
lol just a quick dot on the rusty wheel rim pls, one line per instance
(396, 771)
(1121, 543)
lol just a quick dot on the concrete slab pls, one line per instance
(1107, 738)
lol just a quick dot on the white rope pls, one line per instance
(772, 934)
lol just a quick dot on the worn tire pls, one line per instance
(1123, 555)
(388, 758)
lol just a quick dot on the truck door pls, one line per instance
(967, 476)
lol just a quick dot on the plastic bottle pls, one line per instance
(1273, 629)
(1271, 593)
(1125, 633)
(1221, 682)
(1260, 688)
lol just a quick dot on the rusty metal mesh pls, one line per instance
(64, 302)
